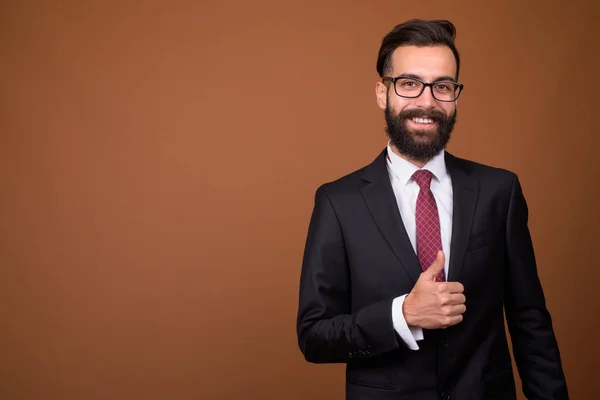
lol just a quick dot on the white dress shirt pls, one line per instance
(406, 191)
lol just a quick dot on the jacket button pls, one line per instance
(445, 396)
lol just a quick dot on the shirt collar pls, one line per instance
(404, 170)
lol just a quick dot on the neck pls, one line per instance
(417, 163)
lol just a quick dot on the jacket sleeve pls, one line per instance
(534, 345)
(327, 330)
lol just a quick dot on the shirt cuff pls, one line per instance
(409, 334)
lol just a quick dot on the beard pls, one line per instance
(419, 145)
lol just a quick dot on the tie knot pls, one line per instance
(423, 178)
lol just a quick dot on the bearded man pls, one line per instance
(411, 262)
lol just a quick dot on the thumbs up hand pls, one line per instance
(434, 305)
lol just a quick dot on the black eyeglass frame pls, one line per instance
(459, 86)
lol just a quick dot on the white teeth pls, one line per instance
(423, 120)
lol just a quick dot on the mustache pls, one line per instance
(434, 115)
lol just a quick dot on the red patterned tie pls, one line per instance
(429, 240)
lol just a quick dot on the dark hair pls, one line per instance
(416, 32)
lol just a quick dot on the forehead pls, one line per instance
(428, 62)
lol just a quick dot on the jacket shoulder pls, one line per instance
(483, 171)
(346, 184)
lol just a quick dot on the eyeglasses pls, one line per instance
(412, 87)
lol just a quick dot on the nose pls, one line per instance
(426, 99)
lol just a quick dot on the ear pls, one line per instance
(381, 94)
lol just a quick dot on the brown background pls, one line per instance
(158, 164)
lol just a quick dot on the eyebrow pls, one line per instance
(438, 79)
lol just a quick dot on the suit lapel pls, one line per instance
(465, 190)
(381, 202)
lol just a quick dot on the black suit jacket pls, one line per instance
(358, 258)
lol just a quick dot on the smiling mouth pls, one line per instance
(424, 121)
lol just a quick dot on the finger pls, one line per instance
(449, 321)
(454, 287)
(450, 287)
(455, 310)
(452, 299)
(436, 267)
(455, 299)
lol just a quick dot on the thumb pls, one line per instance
(436, 267)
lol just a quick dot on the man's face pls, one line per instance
(419, 127)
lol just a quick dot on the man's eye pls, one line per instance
(443, 87)
(409, 83)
